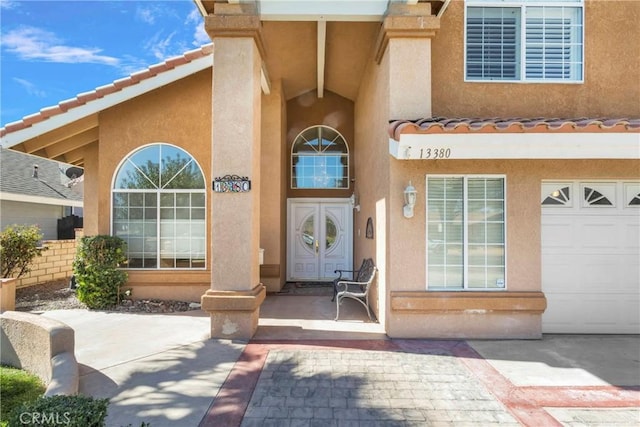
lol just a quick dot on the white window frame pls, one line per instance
(465, 259)
(159, 192)
(345, 154)
(521, 44)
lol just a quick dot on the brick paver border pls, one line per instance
(525, 403)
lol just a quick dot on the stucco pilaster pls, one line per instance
(92, 185)
(273, 191)
(236, 292)
(407, 42)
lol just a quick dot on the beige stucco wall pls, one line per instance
(308, 110)
(514, 312)
(611, 85)
(273, 191)
(178, 114)
(181, 113)
(371, 162)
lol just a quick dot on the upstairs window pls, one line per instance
(319, 159)
(525, 40)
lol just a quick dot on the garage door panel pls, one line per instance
(556, 235)
(631, 235)
(590, 265)
(607, 314)
(594, 235)
(584, 274)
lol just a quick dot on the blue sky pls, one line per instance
(53, 50)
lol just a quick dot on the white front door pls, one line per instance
(320, 238)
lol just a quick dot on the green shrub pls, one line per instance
(70, 411)
(18, 248)
(95, 268)
(18, 387)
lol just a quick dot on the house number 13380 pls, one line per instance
(435, 153)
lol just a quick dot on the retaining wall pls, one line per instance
(42, 346)
(55, 263)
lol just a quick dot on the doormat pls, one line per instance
(307, 288)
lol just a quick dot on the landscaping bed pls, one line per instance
(58, 295)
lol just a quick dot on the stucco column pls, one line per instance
(236, 292)
(403, 53)
(273, 191)
(404, 46)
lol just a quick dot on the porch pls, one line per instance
(308, 315)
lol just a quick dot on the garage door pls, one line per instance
(591, 256)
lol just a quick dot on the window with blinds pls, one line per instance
(466, 244)
(524, 42)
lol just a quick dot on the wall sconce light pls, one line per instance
(354, 202)
(410, 197)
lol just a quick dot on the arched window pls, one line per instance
(159, 208)
(319, 159)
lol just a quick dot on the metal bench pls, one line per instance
(356, 289)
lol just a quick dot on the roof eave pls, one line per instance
(11, 139)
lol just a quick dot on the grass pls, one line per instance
(17, 387)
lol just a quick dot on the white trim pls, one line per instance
(443, 8)
(97, 105)
(39, 199)
(160, 191)
(522, 5)
(518, 146)
(265, 83)
(356, 11)
(465, 225)
(321, 42)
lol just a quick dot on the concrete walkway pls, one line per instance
(303, 369)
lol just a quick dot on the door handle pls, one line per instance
(317, 246)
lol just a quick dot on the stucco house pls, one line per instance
(302, 129)
(34, 190)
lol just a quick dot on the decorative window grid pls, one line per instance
(632, 194)
(598, 194)
(159, 208)
(319, 159)
(557, 195)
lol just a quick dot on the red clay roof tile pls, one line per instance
(102, 91)
(515, 125)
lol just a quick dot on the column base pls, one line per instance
(234, 314)
(7, 294)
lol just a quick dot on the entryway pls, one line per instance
(319, 238)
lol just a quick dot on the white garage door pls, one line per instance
(591, 256)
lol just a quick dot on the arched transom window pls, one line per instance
(159, 208)
(319, 159)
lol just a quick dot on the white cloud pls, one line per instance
(8, 4)
(30, 87)
(163, 47)
(200, 36)
(146, 15)
(32, 43)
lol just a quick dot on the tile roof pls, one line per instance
(510, 125)
(102, 91)
(16, 177)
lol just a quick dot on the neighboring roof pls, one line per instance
(121, 90)
(440, 125)
(51, 186)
